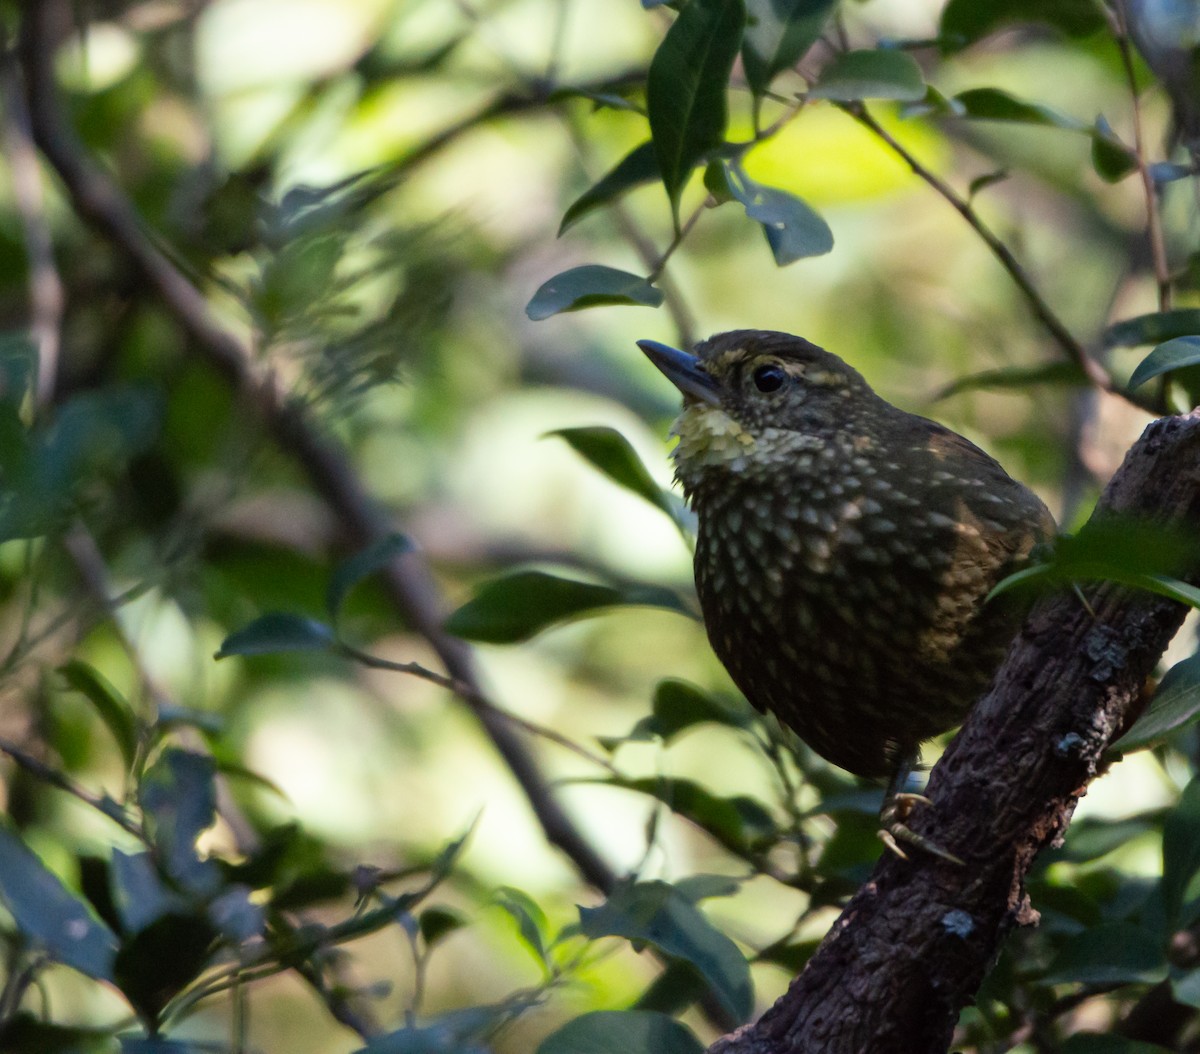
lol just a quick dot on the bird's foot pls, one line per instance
(896, 810)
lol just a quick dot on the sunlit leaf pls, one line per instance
(870, 74)
(1176, 704)
(1173, 355)
(778, 33)
(112, 707)
(49, 915)
(656, 913)
(361, 565)
(277, 632)
(591, 285)
(529, 917)
(516, 606)
(621, 1032)
(639, 166)
(686, 88)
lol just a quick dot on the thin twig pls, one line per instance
(100, 203)
(1158, 246)
(1063, 337)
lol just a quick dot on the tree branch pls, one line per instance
(913, 945)
(99, 202)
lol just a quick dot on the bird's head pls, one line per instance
(750, 396)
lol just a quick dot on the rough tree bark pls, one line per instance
(914, 944)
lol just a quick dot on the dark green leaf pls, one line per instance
(870, 74)
(702, 887)
(178, 797)
(1111, 158)
(778, 33)
(361, 565)
(675, 989)
(159, 961)
(49, 915)
(639, 166)
(139, 894)
(981, 183)
(656, 913)
(158, 1045)
(18, 367)
(529, 917)
(1107, 1043)
(1173, 355)
(1181, 850)
(679, 705)
(610, 452)
(519, 605)
(591, 285)
(1154, 328)
(793, 229)
(1017, 377)
(23, 1033)
(621, 1032)
(686, 88)
(966, 21)
(277, 631)
(992, 104)
(436, 923)
(1119, 953)
(112, 707)
(456, 1032)
(1176, 704)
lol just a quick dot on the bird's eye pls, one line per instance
(769, 378)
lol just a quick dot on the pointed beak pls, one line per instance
(684, 371)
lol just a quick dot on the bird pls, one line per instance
(845, 551)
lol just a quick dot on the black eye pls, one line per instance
(769, 378)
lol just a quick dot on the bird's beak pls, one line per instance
(684, 371)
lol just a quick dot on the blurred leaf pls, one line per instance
(591, 285)
(966, 21)
(793, 956)
(1090, 839)
(675, 989)
(1173, 355)
(794, 230)
(621, 1032)
(159, 1045)
(277, 631)
(456, 1032)
(686, 88)
(529, 917)
(1111, 158)
(778, 33)
(1186, 988)
(349, 573)
(702, 887)
(23, 1033)
(178, 796)
(112, 707)
(519, 605)
(639, 166)
(436, 923)
(1176, 704)
(656, 913)
(679, 705)
(159, 961)
(18, 367)
(610, 452)
(870, 74)
(235, 916)
(1154, 328)
(992, 104)
(1016, 377)
(1118, 953)
(1106, 1043)
(1180, 850)
(51, 916)
(138, 892)
(980, 184)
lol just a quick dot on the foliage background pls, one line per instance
(392, 306)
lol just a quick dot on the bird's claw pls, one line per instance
(896, 810)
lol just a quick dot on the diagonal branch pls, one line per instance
(914, 944)
(99, 202)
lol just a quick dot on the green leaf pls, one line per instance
(621, 1032)
(436, 923)
(517, 606)
(235, 916)
(51, 916)
(362, 565)
(1119, 953)
(778, 33)
(456, 1032)
(992, 104)
(529, 917)
(112, 707)
(1180, 851)
(610, 452)
(794, 230)
(277, 632)
(1155, 328)
(1016, 377)
(23, 1033)
(703, 887)
(179, 798)
(637, 167)
(686, 88)
(870, 74)
(18, 367)
(678, 706)
(966, 21)
(656, 913)
(1111, 158)
(1173, 355)
(160, 960)
(1176, 704)
(1106, 1043)
(139, 893)
(1186, 988)
(591, 285)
